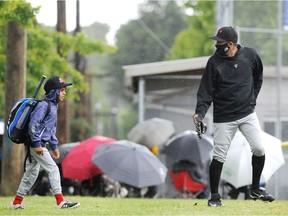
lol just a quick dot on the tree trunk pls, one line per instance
(62, 125)
(15, 88)
(80, 63)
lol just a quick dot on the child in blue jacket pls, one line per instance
(42, 132)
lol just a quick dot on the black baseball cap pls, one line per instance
(55, 83)
(226, 34)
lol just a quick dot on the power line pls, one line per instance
(153, 35)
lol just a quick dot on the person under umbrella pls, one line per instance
(189, 179)
(130, 163)
(234, 192)
(194, 171)
(187, 146)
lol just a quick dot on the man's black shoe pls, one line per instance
(262, 195)
(215, 200)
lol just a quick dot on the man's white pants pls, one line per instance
(224, 133)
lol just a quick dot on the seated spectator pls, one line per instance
(114, 187)
(193, 170)
(234, 192)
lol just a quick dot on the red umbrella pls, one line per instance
(78, 165)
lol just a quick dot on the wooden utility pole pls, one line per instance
(62, 129)
(15, 88)
(83, 105)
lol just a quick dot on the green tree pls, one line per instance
(149, 38)
(194, 41)
(260, 15)
(42, 58)
(22, 14)
(146, 39)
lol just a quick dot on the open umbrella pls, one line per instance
(130, 163)
(77, 164)
(152, 132)
(187, 146)
(64, 149)
(237, 169)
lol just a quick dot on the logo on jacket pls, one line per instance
(236, 66)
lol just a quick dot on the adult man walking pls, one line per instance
(232, 80)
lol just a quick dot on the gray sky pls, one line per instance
(112, 12)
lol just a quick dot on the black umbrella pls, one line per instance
(187, 146)
(64, 149)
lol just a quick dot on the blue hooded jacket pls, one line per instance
(42, 129)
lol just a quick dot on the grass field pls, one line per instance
(35, 205)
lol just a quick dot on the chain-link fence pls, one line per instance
(174, 99)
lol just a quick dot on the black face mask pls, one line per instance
(222, 49)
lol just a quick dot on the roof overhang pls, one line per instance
(166, 67)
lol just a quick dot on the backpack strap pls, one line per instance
(48, 108)
(27, 157)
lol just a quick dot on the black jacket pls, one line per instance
(232, 84)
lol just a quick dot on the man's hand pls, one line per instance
(200, 126)
(39, 150)
(56, 154)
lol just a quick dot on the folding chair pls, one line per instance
(186, 185)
